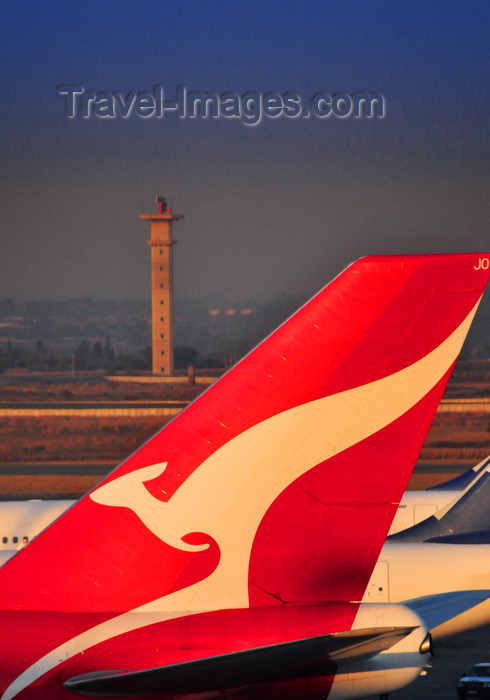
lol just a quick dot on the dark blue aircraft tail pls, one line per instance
(463, 480)
(464, 520)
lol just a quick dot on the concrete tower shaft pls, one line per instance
(161, 243)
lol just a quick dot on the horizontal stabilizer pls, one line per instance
(473, 537)
(320, 655)
(437, 609)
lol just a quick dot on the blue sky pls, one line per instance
(280, 206)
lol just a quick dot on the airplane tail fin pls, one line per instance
(278, 484)
(460, 482)
(466, 519)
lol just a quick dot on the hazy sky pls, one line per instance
(280, 206)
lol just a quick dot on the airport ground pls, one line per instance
(452, 658)
(71, 427)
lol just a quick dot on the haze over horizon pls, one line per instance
(280, 206)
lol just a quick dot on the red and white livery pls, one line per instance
(231, 552)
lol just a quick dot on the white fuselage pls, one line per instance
(418, 505)
(21, 521)
(405, 571)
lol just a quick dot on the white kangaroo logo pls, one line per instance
(159, 517)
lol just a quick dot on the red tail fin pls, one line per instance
(288, 462)
(277, 484)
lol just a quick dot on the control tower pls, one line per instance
(161, 243)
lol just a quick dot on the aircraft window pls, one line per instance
(15, 540)
(5, 540)
(25, 539)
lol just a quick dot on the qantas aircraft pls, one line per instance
(230, 554)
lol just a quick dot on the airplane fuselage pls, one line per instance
(406, 571)
(415, 506)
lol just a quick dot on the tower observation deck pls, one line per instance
(161, 243)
